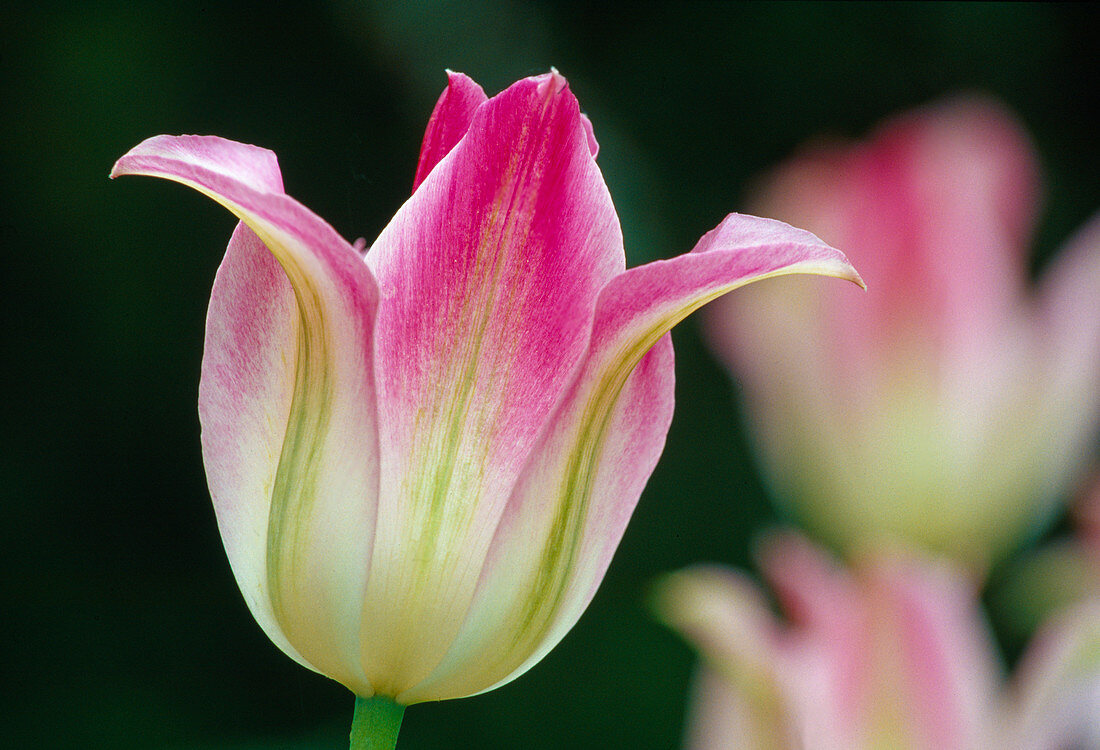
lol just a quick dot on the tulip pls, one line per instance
(951, 406)
(422, 456)
(890, 653)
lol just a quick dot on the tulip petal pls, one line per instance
(894, 653)
(960, 175)
(737, 699)
(1056, 691)
(543, 568)
(944, 679)
(1066, 323)
(489, 276)
(829, 650)
(246, 392)
(286, 401)
(449, 122)
(642, 304)
(585, 478)
(590, 133)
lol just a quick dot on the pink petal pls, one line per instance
(935, 210)
(587, 473)
(1066, 327)
(643, 303)
(589, 131)
(827, 666)
(738, 700)
(449, 122)
(1055, 699)
(245, 400)
(893, 652)
(561, 526)
(813, 589)
(956, 185)
(286, 402)
(946, 671)
(489, 276)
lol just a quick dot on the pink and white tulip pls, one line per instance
(953, 404)
(890, 653)
(422, 458)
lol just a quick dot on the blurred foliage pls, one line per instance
(124, 627)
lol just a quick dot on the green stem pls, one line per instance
(376, 723)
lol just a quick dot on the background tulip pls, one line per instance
(423, 457)
(890, 652)
(953, 405)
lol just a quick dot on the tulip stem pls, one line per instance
(375, 723)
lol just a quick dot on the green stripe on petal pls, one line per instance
(315, 547)
(603, 442)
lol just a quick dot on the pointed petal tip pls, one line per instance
(127, 164)
(458, 78)
(853, 276)
(450, 119)
(552, 80)
(817, 256)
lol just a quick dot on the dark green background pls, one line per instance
(122, 626)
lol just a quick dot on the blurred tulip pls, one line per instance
(1055, 699)
(422, 459)
(892, 653)
(951, 405)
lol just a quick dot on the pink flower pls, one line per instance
(422, 458)
(891, 653)
(952, 404)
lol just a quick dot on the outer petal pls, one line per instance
(245, 398)
(590, 133)
(489, 276)
(896, 656)
(943, 691)
(1066, 323)
(738, 698)
(1056, 695)
(966, 173)
(543, 568)
(935, 210)
(827, 657)
(449, 122)
(584, 480)
(286, 401)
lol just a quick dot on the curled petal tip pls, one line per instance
(854, 277)
(199, 156)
